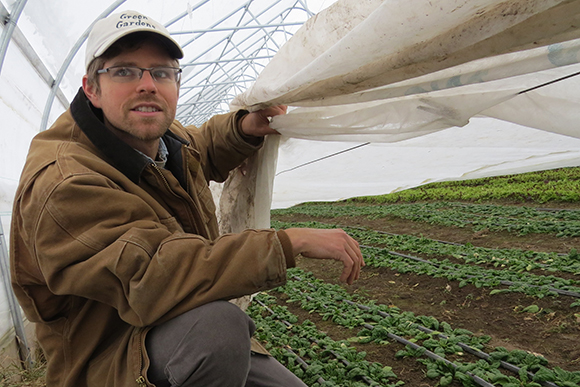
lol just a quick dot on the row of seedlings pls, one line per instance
(516, 259)
(521, 282)
(521, 220)
(311, 354)
(533, 285)
(381, 323)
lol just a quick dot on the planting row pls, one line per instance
(556, 185)
(516, 259)
(533, 285)
(521, 220)
(436, 344)
(311, 354)
(521, 282)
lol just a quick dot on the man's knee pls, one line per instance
(226, 324)
(212, 341)
(225, 310)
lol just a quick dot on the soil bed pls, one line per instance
(554, 332)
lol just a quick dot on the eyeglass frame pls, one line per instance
(142, 71)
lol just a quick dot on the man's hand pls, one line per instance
(258, 123)
(329, 244)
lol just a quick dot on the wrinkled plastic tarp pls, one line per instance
(388, 72)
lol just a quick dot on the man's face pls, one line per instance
(139, 111)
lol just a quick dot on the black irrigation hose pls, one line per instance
(503, 282)
(394, 234)
(554, 209)
(534, 208)
(435, 240)
(486, 216)
(427, 353)
(465, 347)
(302, 363)
(494, 224)
(433, 355)
(366, 379)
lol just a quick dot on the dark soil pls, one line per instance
(554, 332)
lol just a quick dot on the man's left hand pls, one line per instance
(258, 123)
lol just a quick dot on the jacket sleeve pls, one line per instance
(221, 144)
(94, 240)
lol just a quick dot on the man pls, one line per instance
(114, 247)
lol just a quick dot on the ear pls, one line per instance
(91, 92)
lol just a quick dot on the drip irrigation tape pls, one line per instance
(465, 347)
(434, 356)
(427, 353)
(366, 379)
(554, 209)
(304, 365)
(435, 240)
(503, 282)
(393, 234)
(301, 361)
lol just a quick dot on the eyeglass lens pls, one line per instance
(131, 73)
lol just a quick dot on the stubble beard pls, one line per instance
(146, 129)
(143, 128)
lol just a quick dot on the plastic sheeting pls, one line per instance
(377, 168)
(411, 75)
(354, 45)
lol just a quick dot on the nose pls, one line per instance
(147, 83)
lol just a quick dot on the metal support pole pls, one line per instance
(15, 313)
(68, 60)
(10, 24)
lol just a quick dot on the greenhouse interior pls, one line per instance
(382, 95)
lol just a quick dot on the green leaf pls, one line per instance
(446, 380)
(531, 309)
(544, 375)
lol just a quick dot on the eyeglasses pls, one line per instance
(127, 74)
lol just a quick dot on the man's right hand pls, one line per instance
(329, 244)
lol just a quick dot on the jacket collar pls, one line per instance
(118, 153)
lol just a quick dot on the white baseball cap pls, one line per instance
(107, 31)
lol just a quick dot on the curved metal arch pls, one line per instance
(305, 9)
(67, 62)
(239, 62)
(10, 20)
(239, 55)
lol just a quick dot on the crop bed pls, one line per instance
(452, 294)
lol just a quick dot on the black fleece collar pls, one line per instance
(118, 153)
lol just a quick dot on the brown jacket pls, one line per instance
(105, 244)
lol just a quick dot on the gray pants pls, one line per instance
(209, 346)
